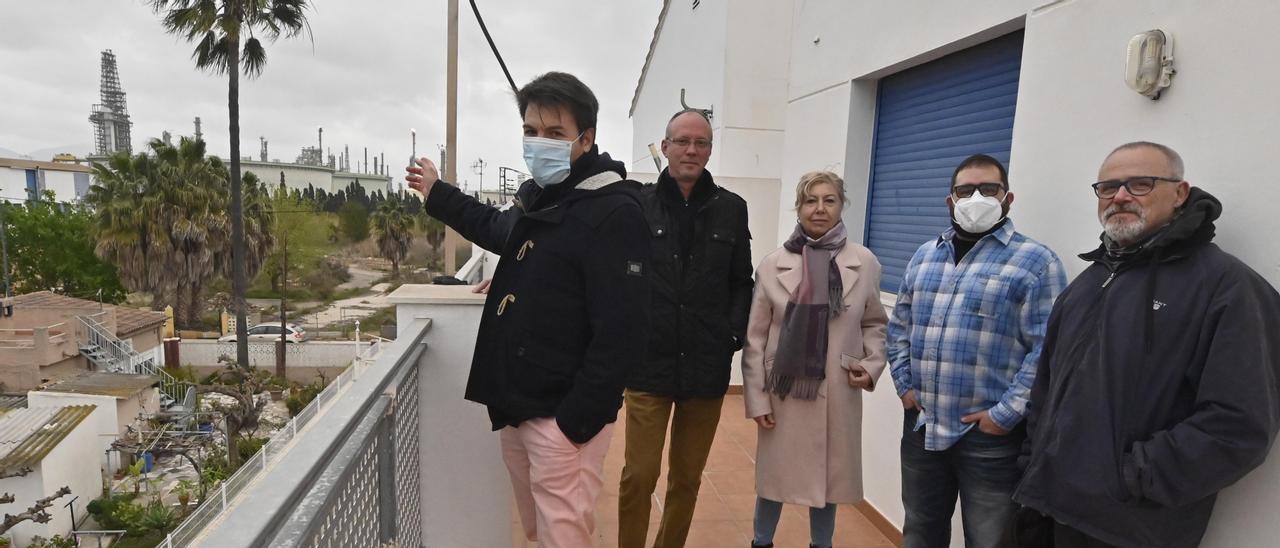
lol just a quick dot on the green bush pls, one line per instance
(323, 278)
(117, 511)
(214, 468)
(353, 221)
(300, 396)
(158, 517)
(248, 447)
(56, 542)
(147, 539)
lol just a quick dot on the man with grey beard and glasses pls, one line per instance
(1157, 385)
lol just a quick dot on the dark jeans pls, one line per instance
(1066, 537)
(981, 468)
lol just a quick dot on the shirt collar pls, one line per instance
(1004, 234)
(670, 189)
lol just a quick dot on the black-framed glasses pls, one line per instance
(986, 189)
(700, 144)
(1135, 186)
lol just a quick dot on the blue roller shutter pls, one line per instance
(33, 185)
(928, 119)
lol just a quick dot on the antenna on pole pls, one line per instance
(705, 111)
(478, 166)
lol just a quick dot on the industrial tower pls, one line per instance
(111, 118)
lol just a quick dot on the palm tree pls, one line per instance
(124, 231)
(163, 219)
(191, 207)
(259, 224)
(391, 224)
(216, 28)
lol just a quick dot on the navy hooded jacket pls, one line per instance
(1157, 387)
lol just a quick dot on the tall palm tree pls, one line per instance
(163, 219)
(124, 231)
(218, 29)
(392, 224)
(259, 224)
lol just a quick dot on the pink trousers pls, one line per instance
(555, 482)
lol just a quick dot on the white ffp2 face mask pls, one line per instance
(548, 159)
(978, 213)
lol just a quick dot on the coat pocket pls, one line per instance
(541, 370)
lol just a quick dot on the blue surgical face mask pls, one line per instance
(548, 159)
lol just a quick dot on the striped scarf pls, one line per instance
(799, 365)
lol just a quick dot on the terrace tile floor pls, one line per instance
(726, 501)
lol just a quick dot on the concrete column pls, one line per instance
(466, 494)
(40, 340)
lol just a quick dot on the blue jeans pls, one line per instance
(981, 468)
(822, 523)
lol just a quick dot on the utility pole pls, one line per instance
(281, 346)
(4, 248)
(478, 166)
(451, 133)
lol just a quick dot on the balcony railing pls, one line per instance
(350, 479)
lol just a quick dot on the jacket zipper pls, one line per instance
(1110, 277)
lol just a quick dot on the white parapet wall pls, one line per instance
(466, 495)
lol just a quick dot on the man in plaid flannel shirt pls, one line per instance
(964, 339)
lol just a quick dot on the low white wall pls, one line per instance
(205, 353)
(466, 493)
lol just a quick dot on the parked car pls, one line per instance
(294, 333)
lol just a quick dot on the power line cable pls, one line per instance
(494, 47)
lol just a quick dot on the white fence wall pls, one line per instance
(200, 353)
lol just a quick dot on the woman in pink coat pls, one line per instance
(815, 341)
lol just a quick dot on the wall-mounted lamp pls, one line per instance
(1149, 66)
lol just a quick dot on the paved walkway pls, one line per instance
(726, 501)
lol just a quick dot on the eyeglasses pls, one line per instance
(986, 189)
(1135, 186)
(700, 144)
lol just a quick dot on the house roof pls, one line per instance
(49, 166)
(128, 320)
(131, 320)
(648, 58)
(27, 435)
(101, 383)
(9, 402)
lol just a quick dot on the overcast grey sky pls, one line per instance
(375, 69)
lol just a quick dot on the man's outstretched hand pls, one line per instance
(422, 176)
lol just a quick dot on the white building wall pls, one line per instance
(1073, 108)
(104, 422)
(690, 54)
(13, 185)
(26, 490)
(62, 183)
(295, 176)
(1220, 114)
(817, 142)
(298, 176)
(64, 465)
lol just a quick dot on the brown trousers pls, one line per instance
(693, 427)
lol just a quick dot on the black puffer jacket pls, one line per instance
(700, 298)
(568, 310)
(1157, 387)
